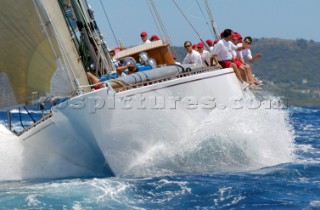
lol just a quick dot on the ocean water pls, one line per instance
(236, 159)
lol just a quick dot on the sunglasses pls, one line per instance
(248, 42)
(187, 46)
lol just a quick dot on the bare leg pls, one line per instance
(236, 71)
(94, 80)
(249, 73)
(244, 73)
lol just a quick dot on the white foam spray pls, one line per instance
(227, 140)
(11, 155)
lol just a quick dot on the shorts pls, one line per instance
(238, 62)
(227, 63)
(97, 86)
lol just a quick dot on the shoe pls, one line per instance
(254, 87)
(244, 85)
(258, 82)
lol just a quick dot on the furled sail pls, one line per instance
(35, 42)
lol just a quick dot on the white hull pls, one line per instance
(99, 137)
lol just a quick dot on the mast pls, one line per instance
(36, 48)
(213, 23)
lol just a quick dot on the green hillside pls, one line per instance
(289, 68)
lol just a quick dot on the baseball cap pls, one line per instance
(200, 45)
(236, 36)
(209, 41)
(143, 33)
(155, 37)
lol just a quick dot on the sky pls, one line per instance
(286, 19)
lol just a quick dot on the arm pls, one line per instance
(120, 69)
(244, 46)
(255, 57)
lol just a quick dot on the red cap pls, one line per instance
(236, 36)
(215, 41)
(154, 37)
(200, 45)
(209, 41)
(143, 33)
(194, 46)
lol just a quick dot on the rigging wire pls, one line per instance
(105, 13)
(154, 18)
(205, 18)
(166, 36)
(105, 60)
(194, 29)
(162, 29)
(29, 114)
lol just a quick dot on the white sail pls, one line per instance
(7, 96)
(30, 45)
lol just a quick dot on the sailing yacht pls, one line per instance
(46, 48)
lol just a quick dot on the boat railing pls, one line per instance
(44, 118)
(125, 86)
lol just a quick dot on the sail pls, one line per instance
(34, 40)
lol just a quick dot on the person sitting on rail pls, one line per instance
(247, 55)
(245, 69)
(222, 55)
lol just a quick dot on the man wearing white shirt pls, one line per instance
(205, 55)
(222, 54)
(210, 44)
(246, 54)
(192, 57)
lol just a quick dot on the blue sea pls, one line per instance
(268, 159)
